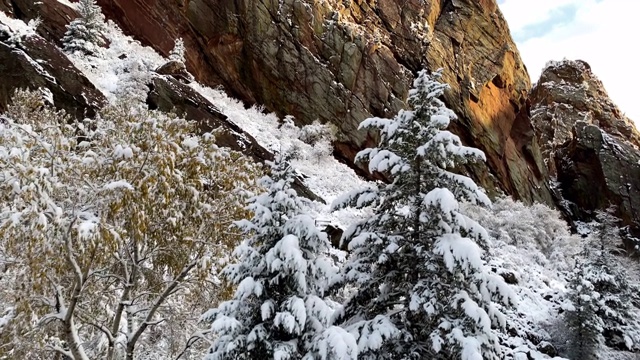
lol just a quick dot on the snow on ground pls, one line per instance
(17, 28)
(323, 174)
(120, 70)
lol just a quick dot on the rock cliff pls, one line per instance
(343, 61)
(588, 144)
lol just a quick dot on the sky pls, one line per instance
(604, 33)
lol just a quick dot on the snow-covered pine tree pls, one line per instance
(584, 325)
(278, 311)
(178, 51)
(421, 288)
(601, 296)
(84, 34)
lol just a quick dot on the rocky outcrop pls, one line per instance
(168, 93)
(55, 15)
(342, 61)
(595, 171)
(33, 63)
(589, 146)
(566, 93)
(175, 69)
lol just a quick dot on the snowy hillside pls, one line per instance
(531, 247)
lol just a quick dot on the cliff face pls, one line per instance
(587, 143)
(343, 61)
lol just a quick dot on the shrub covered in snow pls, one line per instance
(114, 221)
(14, 30)
(178, 51)
(319, 137)
(535, 227)
(317, 132)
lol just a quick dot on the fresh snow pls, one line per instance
(17, 28)
(325, 176)
(121, 184)
(68, 3)
(539, 269)
(120, 70)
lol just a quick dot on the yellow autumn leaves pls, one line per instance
(124, 220)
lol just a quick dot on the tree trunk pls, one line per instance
(74, 341)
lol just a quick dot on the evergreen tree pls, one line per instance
(617, 294)
(584, 325)
(178, 51)
(421, 289)
(84, 34)
(600, 295)
(278, 311)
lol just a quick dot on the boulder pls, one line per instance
(176, 69)
(547, 348)
(334, 233)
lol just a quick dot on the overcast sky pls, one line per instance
(604, 33)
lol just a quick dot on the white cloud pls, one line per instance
(603, 33)
(521, 14)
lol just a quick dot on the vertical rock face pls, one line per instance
(588, 144)
(5, 6)
(342, 61)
